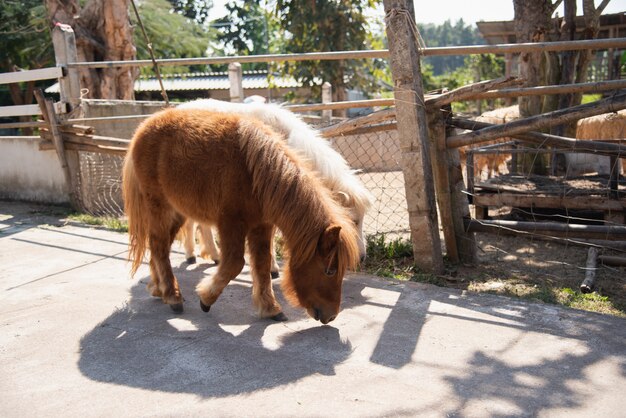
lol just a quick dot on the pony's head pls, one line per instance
(315, 284)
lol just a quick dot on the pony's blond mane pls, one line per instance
(332, 167)
(293, 197)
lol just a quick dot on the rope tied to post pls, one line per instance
(395, 12)
(419, 41)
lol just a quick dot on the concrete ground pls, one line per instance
(79, 338)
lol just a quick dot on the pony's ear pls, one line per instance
(342, 197)
(329, 240)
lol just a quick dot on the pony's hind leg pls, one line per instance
(232, 240)
(208, 248)
(189, 240)
(162, 233)
(261, 258)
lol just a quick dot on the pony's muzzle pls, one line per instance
(319, 315)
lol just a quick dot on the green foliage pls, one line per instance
(197, 10)
(24, 40)
(326, 25)
(448, 34)
(24, 35)
(250, 29)
(172, 36)
(379, 247)
(588, 98)
(388, 258)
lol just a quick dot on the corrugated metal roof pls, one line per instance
(205, 81)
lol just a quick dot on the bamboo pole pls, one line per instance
(568, 144)
(546, 120)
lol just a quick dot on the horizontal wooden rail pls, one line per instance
(567, 144)
(604, 232)
(340, 105)
(533, 123)
(31, 75)
(382, 53)
(592, 87)
(28, 110)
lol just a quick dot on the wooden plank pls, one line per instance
(71, 146)
(599, 203)
(405, 56)
(533, 123)
(47, 109)
(95, 140)
(347, 126)
(27, 110)
(462, 93)
(31, 75)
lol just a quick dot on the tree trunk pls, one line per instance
(532, 24)
(103, 33)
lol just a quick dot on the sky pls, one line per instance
(470, 10)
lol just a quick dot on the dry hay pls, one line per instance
(605, 126)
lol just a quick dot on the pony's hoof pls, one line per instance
(275, 275)
(205, 308)
(191, 260)
(177, 307)
(279, 317)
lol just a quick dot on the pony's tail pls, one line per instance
(134, 204)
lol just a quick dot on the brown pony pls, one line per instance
(236, 173)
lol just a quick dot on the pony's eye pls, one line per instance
(330, 272)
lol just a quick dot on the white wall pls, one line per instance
(29, 174)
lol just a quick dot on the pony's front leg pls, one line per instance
(208, 248)
(232, 240)
(275, 270)
(261, 258)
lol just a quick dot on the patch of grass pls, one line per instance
(388, 258)
(587, 301)
(588, 98)
(114, 224)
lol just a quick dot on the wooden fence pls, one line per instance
(429, 157)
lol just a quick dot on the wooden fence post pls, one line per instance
(327, 97)
(64, 43)
(413, 134)
(235, 77)
(451, 199)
